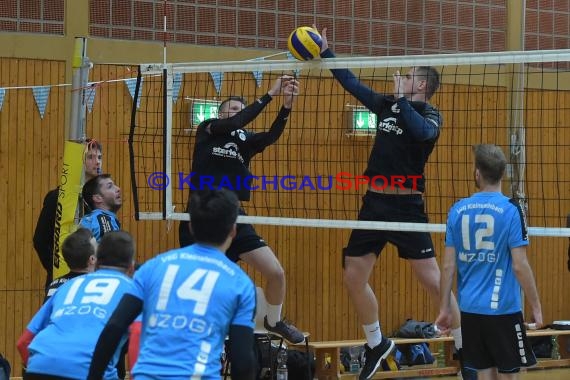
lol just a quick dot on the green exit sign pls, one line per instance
(363, 120)
(203, 110)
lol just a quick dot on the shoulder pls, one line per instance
(51, 196)
(519, 210)
(53, 193)
(203, 127)
(103, 214)
(458, 204)
(63, 283)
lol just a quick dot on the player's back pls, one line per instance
(70, 322)
(486, 226)
(191, 296)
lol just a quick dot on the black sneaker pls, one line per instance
(285, 330)
(373, 358)
(466, 373)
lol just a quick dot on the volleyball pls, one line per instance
(305, 43)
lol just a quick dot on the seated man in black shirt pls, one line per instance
(222, 152)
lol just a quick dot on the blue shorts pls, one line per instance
(391, 208)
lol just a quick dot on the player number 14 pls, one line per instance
(188, 290)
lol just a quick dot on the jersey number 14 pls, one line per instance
(188, 290)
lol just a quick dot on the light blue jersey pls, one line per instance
(68, 325)
(483, 229)
(99, 222)
(190, 296)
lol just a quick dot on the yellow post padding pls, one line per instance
(67, 201)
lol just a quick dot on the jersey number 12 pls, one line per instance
(486, 230)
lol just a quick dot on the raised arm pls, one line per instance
(245, 116)
(262, 140)
(349, 81)
(424, 126)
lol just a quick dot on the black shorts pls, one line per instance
(246, 239)
(391, 208)
(496, 341)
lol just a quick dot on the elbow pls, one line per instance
(448, 269)
(521, 269)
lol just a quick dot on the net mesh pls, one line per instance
(310, 176)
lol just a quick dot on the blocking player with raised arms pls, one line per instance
(407, 131)
(486, 242)
(191, 298)
(222, 155)
(63, 333)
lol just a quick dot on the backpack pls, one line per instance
(300, 365)
(4, 368)
(416, 329)
(541, 346)
(415, 354)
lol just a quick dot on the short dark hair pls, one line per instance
(431, 76)
(91, 188)
(77, 248)
(117, 249)
(92, 143)
(235, 98)
(213, 213)
(491, 162)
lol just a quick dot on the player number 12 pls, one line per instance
(481, 232)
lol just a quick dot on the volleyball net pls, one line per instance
(312, 176)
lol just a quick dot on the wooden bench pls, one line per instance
(327, 356)
(560, 351)
(327, 359)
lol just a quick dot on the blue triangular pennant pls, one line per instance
(41, 94)
(2, 94)
(90, 96)
(292, 58)
(217, 77)
(258, 75)
(176, 83)
(131, 85)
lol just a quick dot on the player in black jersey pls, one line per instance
(408, 128)
(44, 231)
(221, 157)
